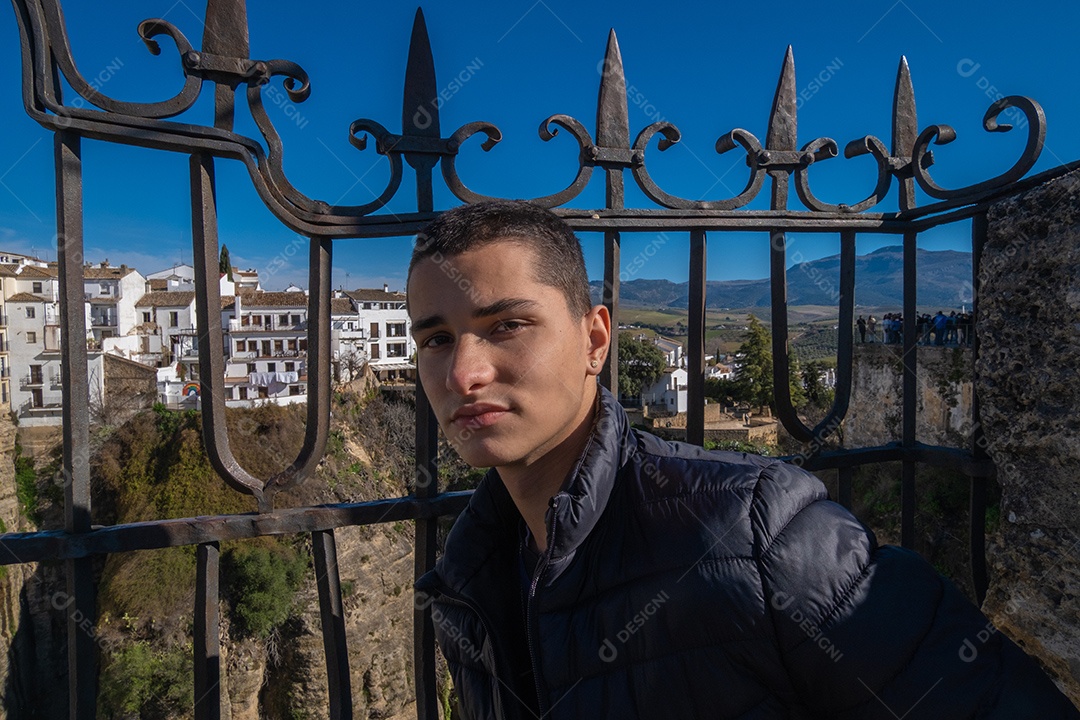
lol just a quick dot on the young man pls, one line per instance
(600, 572)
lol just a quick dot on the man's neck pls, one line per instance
(532, 485)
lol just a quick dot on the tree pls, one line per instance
(754, 383)
(817, 394)
(641, 363)
(224, 263)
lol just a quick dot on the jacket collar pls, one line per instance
(488, 529)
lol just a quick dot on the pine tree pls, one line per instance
(224, 264)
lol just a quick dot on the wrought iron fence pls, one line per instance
(224, 62)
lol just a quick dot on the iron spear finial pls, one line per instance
(420, 107)
(612, 113)
(783, 120)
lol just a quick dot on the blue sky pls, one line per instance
(707, 67)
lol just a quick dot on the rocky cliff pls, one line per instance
(1029, 322)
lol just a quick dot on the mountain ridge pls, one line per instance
(944, 280)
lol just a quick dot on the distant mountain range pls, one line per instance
(944, 278)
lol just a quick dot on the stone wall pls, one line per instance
(1029, 390)
(942, 400)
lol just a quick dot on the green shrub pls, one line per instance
(262, 580)
(139, 681)
(26, 488)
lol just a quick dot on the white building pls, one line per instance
(389, 345)
(112, 293)
(33, 331)
(720, 372)
(348, 339)
(266, 346)
(176, 278)
(668, 392)
(672, 349)
(166, 329)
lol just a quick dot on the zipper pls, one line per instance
(447, 595)
(538, 575)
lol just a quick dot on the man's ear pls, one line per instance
(598, 326)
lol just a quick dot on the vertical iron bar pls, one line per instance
(695, 409)
(207, 638)
(843, 486)
(82, 677)
(333, 624)
(609, 378)
(910, 358)
(426, 486)
(977, 506)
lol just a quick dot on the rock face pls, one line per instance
(942, 402)
(1029, 324)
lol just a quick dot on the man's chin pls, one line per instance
(481, 456)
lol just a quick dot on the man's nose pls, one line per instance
(470, 366)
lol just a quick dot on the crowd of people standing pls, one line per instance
(940, 329)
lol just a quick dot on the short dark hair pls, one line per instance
(559, 260)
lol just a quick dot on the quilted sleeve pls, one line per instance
(874, 632)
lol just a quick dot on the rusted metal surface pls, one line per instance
(239, 83)
(327, 578)
(207, 640)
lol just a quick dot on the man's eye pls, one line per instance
(435, 341)
(508, 326)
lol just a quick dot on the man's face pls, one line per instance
(503, 363)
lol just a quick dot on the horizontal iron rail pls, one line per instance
(159, 534)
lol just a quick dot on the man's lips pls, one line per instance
(477, 415)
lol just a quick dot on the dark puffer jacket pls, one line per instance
(680, 583)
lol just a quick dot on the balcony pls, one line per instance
(32, 380)
(245, 325)
(103, 320)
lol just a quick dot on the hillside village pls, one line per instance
(143, 339)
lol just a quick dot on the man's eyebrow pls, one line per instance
(505, 305)
(426, 322)
(495, 308)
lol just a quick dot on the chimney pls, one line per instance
(123, 268)
(105, 263)
(385, 288)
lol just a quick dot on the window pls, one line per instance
(146, 317)
(284, 319)
(271, 367)
(31, 311)
(266, 348)
(239, 346)
(303, 345)
(103, 289)
(291, 344)
(35, 375)
(36, 398)
(243, 393)
(374, 351)
(174, 319)
(290, 367)
(396, 350)
(295, 319)
(37, 288)
(250, 368)
(253, 346)
(31, 337)
(296, 390)
(374, 329)
(395, 329)
(279, 346)
(228, 393)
